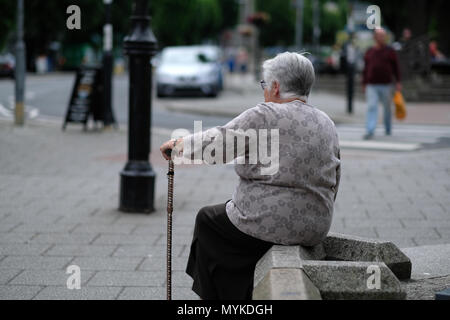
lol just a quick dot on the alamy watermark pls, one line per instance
(374, 20)
(214, 146)
(74, 20)
(74, 280)
(374, 280)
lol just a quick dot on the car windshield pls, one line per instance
(185, 57)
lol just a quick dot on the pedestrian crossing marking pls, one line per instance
(379, 145)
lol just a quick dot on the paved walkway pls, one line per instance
(59, 199)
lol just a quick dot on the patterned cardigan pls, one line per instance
(292, 205)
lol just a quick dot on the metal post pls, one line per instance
(19, 111)
(255, 43)
(108, 115)
(316, 26)
(350, 65)
(299, 25)
(257, 56)
(350, 17)
(138, 178)
(249, 44)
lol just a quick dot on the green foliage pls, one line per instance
(175, 22)
(230, 13)
(179, 22)
(332, 21)
(171, 20)
(281, 29)
(45, 21)
(7, 20)
(208, 17)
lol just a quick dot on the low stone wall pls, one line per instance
(342, 267)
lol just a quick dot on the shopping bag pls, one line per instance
(400, 107)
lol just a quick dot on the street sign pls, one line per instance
(86, 99)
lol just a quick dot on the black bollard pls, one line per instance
(137, 185)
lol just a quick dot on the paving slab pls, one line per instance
(429, 261)
(18, 292)
(107, 263)
(127, 278)
(7, 275)
(425, 289)
(34, 263)
(84, 293)
(81, 250)
(146, 251)
(48, 277)
(156, 293)
(16, 249)
(61, 238)
(12, 237)
(120, 239)
(158, 263)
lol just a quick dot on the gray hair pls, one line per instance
(293, 71)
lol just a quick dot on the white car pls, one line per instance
(189, 69)
(7, 65)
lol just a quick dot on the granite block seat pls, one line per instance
(342, 267)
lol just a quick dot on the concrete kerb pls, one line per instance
(339, 268)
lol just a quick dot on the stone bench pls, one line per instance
(342, 267)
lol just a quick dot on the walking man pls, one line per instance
(380, 72)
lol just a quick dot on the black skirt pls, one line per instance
(222, 259)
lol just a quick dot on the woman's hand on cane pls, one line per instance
(167, 147)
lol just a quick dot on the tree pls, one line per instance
(230, 13)
(333, 18)
(281, 29)
(175, 22)
(7, 21)
(209, 19)
(181, 22)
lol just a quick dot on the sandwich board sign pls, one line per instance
(86, 100)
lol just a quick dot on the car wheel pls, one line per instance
(214, 92)
(160, 91)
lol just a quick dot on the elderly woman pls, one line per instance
(292, 205)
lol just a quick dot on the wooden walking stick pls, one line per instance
(170, 176)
